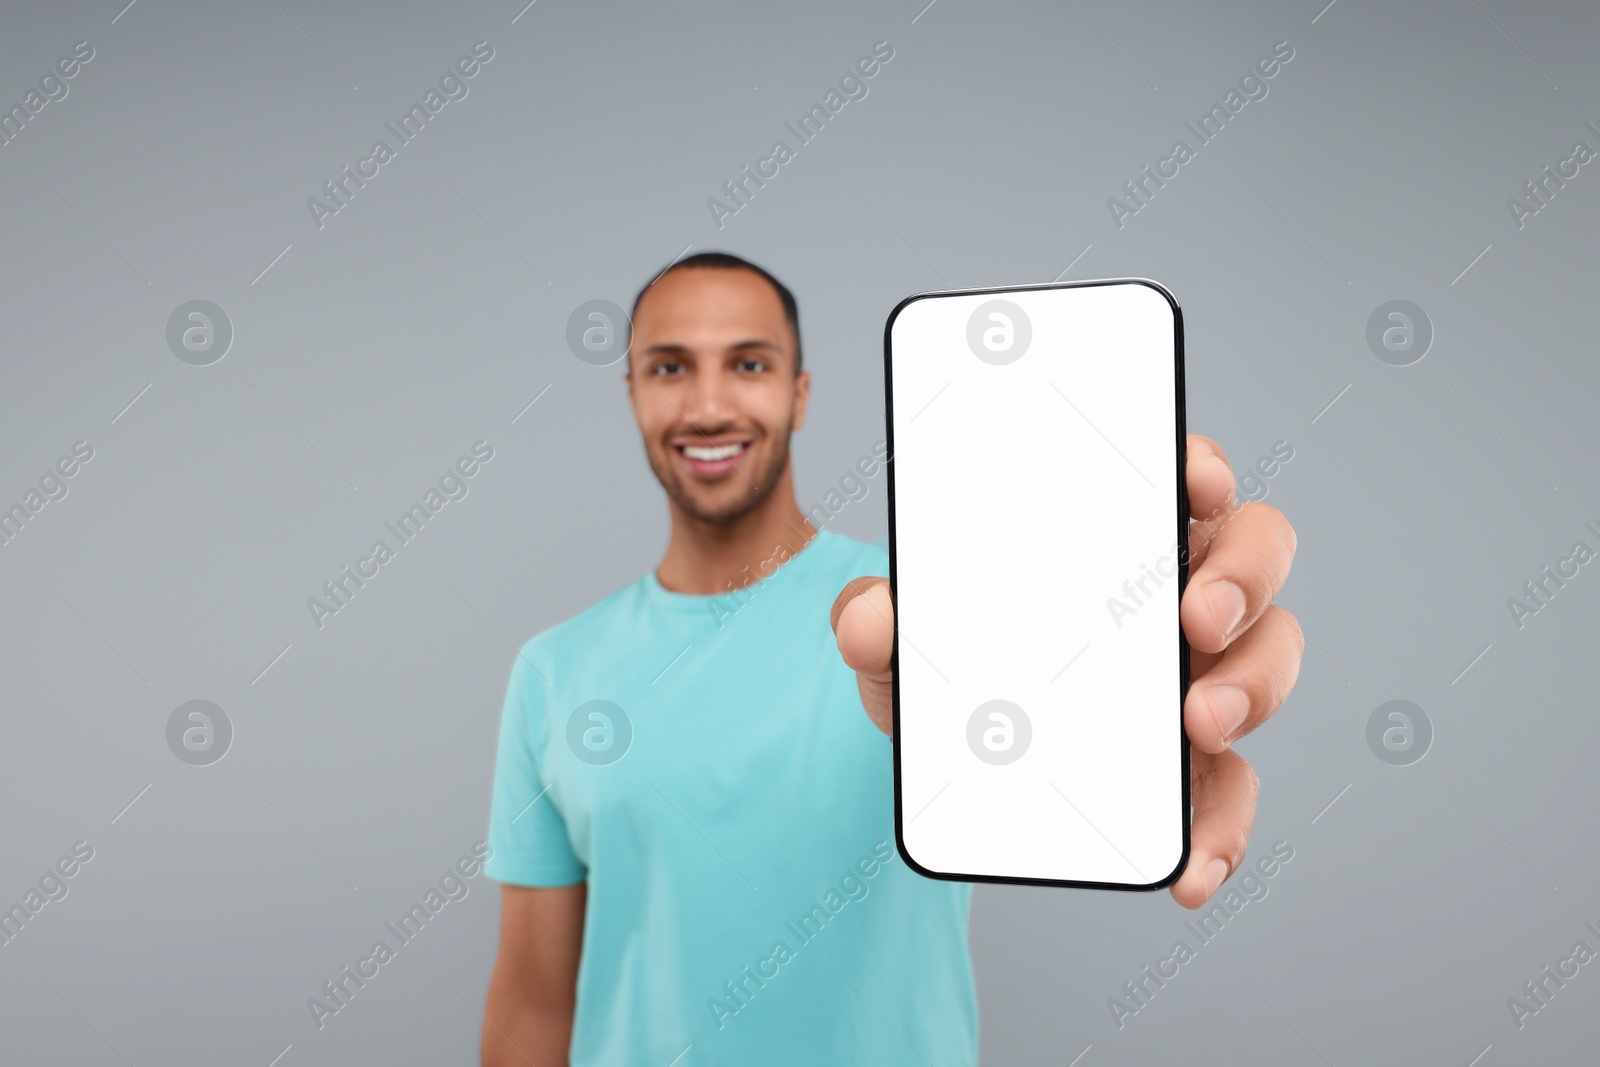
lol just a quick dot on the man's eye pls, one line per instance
(665, 368)
(752, 364)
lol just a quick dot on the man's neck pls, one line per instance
(711, 559)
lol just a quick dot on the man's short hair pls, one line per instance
(728, 261)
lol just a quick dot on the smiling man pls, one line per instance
(693, 812)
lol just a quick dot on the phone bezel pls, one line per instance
(1183, 581)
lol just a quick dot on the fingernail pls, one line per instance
(1227, 604)
(1229, 706)
(1216, 873)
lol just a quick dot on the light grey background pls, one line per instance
(429, 312)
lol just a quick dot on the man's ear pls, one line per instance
(802, 396)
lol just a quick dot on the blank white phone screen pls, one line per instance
(1035, 437)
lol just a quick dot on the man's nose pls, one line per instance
(710, 402)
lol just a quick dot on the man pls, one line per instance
(692, 815)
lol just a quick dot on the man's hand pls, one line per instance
(1244, 657)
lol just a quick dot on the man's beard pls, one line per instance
(673, 479)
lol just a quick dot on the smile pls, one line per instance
(709, 461)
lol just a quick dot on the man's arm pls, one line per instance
(532, 994)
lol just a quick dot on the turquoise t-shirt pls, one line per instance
(705, 765)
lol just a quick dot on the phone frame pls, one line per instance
(1179, 406)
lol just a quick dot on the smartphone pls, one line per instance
(1038, 548)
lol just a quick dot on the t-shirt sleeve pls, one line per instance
(877, 561)
(527, 834)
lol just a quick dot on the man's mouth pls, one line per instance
(708, 460)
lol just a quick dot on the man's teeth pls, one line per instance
(711, 455)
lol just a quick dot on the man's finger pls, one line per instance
(863, 624)
(1224, 798)
(1245, 565)
(1246, 684)
(1208, 477)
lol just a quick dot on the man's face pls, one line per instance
(712, 381)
